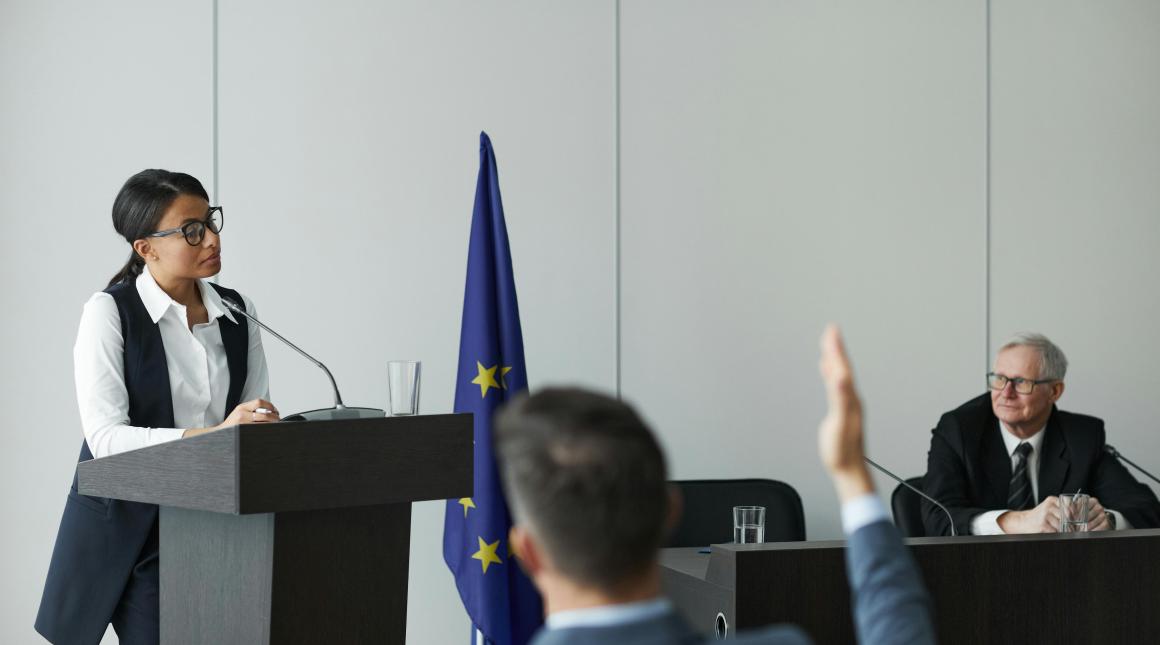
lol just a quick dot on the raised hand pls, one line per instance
(840, 432)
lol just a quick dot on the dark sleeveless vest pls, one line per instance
(100, 540)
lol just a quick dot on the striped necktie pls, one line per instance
(1019, 496)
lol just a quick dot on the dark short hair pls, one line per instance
(586, 475)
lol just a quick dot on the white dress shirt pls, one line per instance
(609, 615)
(856, 513)
(988, 523)
(199, 376)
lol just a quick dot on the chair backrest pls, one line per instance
(907, 507)
(708, 510)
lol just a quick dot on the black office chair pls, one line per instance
(708, 510)
(907, 507)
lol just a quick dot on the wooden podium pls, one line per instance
(1053, 588)
(290, 532)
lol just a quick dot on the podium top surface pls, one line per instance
(719, 566)
(295, 466)
(984, 589)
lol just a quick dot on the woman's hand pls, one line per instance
(255, 411)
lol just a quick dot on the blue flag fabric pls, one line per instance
(499, 598)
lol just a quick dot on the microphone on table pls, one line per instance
(339, 411)
(922, 494)
(1116, 453)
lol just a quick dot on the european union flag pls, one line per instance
(499, 598)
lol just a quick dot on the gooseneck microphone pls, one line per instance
(339, 411)
(1116, 453)
(922, 494)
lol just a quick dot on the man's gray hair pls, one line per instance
(1052, 362)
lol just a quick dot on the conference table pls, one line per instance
(1050, 588)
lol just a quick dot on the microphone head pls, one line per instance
(231, 304)
(1108, 448)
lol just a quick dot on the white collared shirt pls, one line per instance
(609, 615)
(199, 377)
(988, 523)
(1012, 443)
(856, 514)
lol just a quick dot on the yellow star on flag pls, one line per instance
(466, 503)
(486, 554)
(485, 379)
(502, 373)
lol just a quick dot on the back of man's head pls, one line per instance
(586, 477)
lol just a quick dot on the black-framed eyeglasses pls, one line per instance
(1022, 385)
(194, 231)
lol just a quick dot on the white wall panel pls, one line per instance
(349, 153)
(1076, 201)
(785, 164)
(782, 164)
(92, 93)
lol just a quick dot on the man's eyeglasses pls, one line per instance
(1022, 385)
(194, 231)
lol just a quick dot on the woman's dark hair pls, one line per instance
(140, 205)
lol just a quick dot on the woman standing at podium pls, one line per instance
(158, 357)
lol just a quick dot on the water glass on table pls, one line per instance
(1073, 513)
(403, 387)
(748, 524)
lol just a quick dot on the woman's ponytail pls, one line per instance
(130, 271)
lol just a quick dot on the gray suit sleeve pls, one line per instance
(889, 601)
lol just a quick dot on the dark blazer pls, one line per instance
(968, 468)
(890, 605)
(100, 540)
(669, 629)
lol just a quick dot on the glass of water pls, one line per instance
(403, 387)
(748, 524)
(1073, 513)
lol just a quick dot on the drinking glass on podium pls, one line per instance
(403, 388)
(1073, 513)
(748, 524)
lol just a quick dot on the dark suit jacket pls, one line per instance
(968, 468)
(890, 605)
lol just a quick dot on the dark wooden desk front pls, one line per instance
(1072, 588)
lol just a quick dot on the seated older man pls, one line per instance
(999, 461)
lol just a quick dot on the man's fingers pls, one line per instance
(832, 341)
(1052, 521)
(1095, 509)
(1097, 516)
(835, 368)
(835, 364)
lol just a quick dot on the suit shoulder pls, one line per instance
(775, 635)
(1081, 429)
(1078, 420)
(972, 416)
